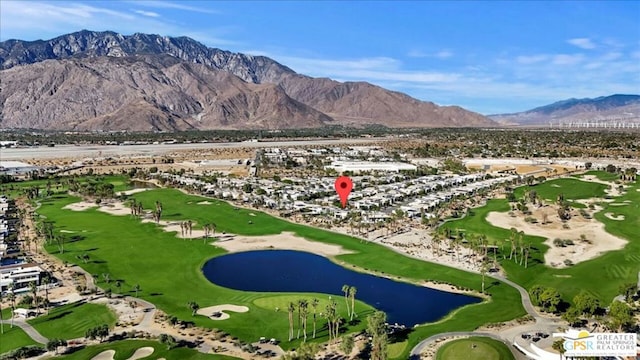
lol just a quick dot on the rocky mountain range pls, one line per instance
(613, 108)
(107, 81)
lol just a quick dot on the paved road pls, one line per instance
(83, 151)
(30, 330)
(507, 337)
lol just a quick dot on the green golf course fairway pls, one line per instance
(75, 319)
(168, 269)
(600, 276)
(14, 338)
(124, 349)
(474, 348)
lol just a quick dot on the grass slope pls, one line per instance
(124, 349)
(14, 338)
(73, 320)
(474, 348)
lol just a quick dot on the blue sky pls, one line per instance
(489, 57)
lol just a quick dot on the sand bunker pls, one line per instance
(600, 241)
(174, 226)
(105, 355)
(142, 353)
(138, 354)
(117, 208)
(114, 208)
(619, 204)
(133, 191)
(205, 203)
(217, 312)
(614, 217)
(282, 241)
(67, 231)
(80, 206)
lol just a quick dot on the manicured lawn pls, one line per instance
(72, 321)
(124, 349)
(571, 188)
(601, 276)
(474, 348)
(168, 269)
(14, 338)
(602, 175)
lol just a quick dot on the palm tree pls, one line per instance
(12, 299)
(303, 305)
(483, 269)
(345, 290)
(352, 294)
(118, 285)
(194, 307)
(558, 345)
(314, 305)
(300, 301)
(136, 288)
(292, 309)
(34, 291)
(1, 323)
(46, 280)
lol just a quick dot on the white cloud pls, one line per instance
(564, 59)
(583, 43)
(147, 13)
(442, 54)
(173, 5)
(373, 69)
(532, 59)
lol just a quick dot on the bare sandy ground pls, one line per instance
(282, 241)
(600, 240)
(209, 311)
(105, 355)
(417, 243)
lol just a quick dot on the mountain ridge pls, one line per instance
(309, 101)
(603, 108)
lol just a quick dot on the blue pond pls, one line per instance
(294, 271)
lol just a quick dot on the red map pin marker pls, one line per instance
(343, 188)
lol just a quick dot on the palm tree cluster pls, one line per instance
(302, 307)
(100, 332)
(136, 208)
(186, 227)
(520, 248)
(209, 230)
(350, 293)
(158, 213)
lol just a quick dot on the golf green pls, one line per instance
(474, 348)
